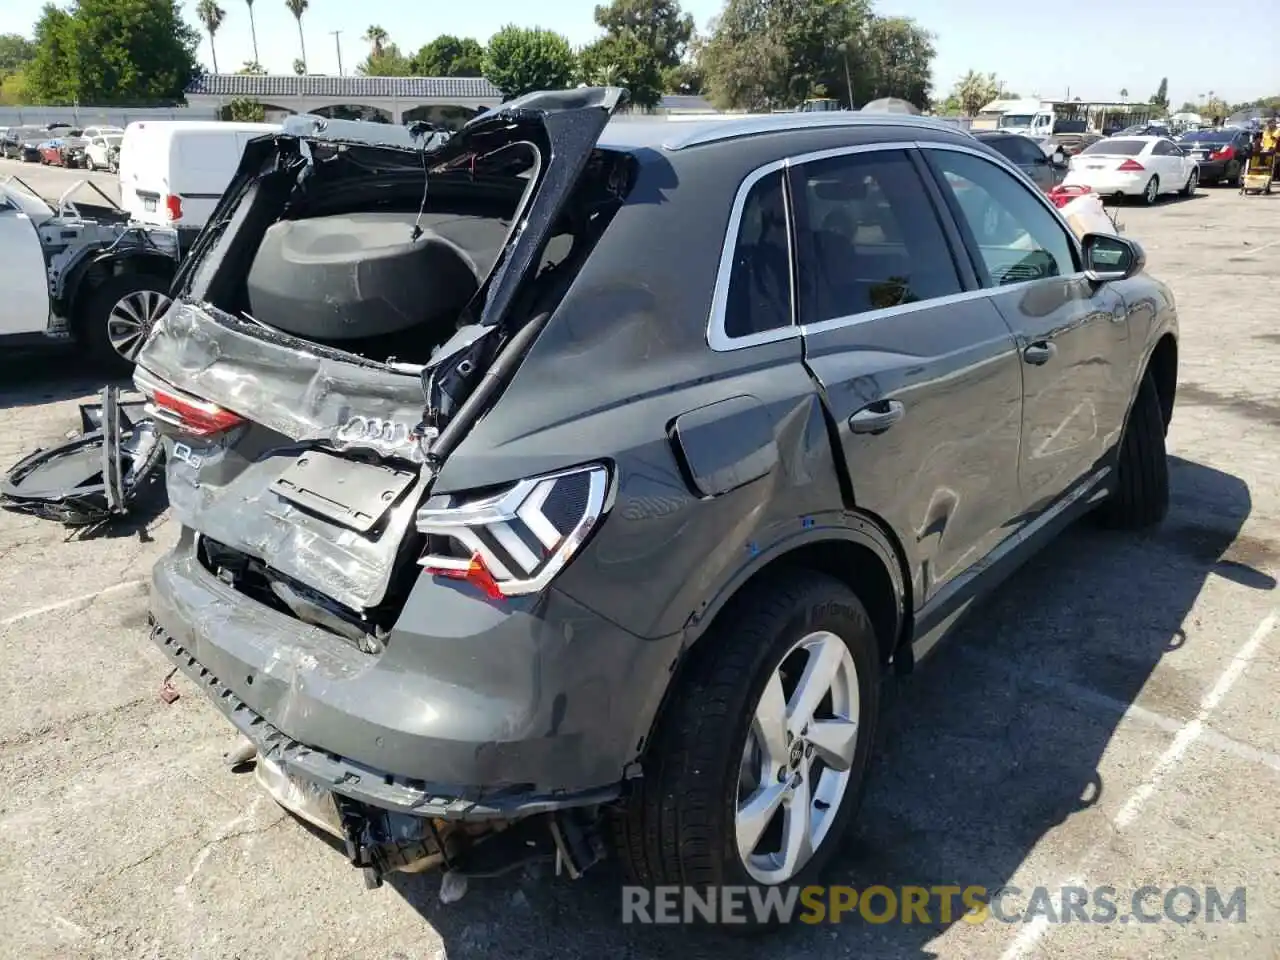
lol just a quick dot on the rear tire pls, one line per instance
(111, 311)
(1193, 180)
(1151, 192)
(1141, 495)
(711, 766)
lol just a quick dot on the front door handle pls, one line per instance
(1040, 352)
(877, 417)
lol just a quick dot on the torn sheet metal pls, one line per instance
(92, 477)
(303, 391)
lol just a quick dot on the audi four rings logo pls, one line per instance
(376, 433)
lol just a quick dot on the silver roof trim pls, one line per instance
(725, 129)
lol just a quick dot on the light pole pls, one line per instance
(848, 83)
(337, 45)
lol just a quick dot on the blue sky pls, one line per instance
(1094, 48)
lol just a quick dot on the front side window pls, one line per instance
(870, 237)
(1017, 238)
(759, 296)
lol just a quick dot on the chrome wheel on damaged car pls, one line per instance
(798, 758)
(131, 320)
(759, 762)
(120, 315)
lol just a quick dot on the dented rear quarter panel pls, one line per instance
(622, 358)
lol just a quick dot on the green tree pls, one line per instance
(685, 77)
(16, 51)
(13, 89)
(244, 110)
(765, 54)
(660, 26)
(211, 15)
(389, 62)
(520, 60)
(623, 61)
(298, 8)
(449, 56)
(50, 77)
(1161, 97)
(377, 39)
(975, 90)
(900, 59)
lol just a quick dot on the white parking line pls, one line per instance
(1031, 935)
(75, 601)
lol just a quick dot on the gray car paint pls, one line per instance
(542, 698)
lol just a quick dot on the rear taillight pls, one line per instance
(1131, 165)
(191, 415)
(1063, 194)
(173, 207)
(515, 542)
(1226, 153)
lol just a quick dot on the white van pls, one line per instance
(172, 172)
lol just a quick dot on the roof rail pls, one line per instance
(727, 129)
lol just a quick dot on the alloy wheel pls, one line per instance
(132, 318)
(1152, 191)
(796, 764)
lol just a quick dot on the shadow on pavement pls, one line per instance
(28, 379)
(982, 752)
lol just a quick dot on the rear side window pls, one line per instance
(759, 297)
(1017, 238)
(870, 237)
(1026, 153)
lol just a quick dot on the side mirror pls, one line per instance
(1108, 257)
(1059, 158)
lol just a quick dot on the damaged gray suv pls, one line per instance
(571, 485)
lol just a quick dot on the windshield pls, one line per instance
(1017, 119)
(114, 140)
(1116, 148)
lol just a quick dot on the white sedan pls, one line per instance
(1143, 167)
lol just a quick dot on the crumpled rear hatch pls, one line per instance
(300, 462)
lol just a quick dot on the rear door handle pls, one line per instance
(877, 417)
(1040, 352)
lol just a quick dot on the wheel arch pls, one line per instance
(89, 275)
(854, 549)
(1163, 366)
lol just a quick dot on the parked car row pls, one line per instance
(62, 145)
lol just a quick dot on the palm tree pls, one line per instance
(298, 8)
(253, 30)
(211, 15)
(299, 67)
(1124, 94)
(377, 38)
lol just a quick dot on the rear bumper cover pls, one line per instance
(494, 714)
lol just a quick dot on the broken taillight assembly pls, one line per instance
(1063, 194)
(1131, 166)
(191, 415)
(514, 542)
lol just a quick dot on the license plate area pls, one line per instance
(302, 798)
(349, 493)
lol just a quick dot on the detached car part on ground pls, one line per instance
(83, 272)
(93, 477)
(572, 481)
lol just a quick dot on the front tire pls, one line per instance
(1141, 496)
(759, 762)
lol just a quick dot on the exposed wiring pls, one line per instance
(421, 129)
